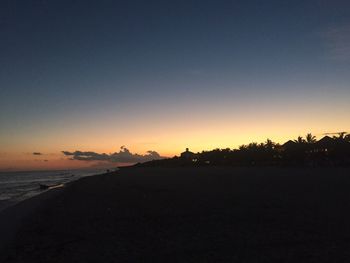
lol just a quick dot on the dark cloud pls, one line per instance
(37, 153)
(123, 156)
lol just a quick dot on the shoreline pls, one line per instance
(14, 214)
(184, 214)
(4, 204)
(41, 182)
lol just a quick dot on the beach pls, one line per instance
(185, 214)
(21, 185)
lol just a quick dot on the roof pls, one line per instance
(289, 143)
(325, 141)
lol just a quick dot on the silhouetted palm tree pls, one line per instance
(341, 136)
(253, 145)
(300, 140)
(270, 145)
(310, 138)
(242, 147)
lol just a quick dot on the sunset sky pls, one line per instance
(161, 76)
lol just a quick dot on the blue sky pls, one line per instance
(78, 65)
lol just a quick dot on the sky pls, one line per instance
(141, 79)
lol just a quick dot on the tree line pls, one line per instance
(303, 151)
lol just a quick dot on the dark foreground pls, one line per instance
(186, 215)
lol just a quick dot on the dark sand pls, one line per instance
(186, 215)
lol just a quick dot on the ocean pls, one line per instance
(18, 186)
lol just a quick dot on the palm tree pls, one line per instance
(310, 138)
(253, 146)
(242, 147)
(270, 144)
(300, 140)
(341, 136)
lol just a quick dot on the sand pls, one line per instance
(186, 215)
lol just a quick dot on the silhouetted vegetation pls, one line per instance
(328, 151)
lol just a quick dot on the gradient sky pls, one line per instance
(165, 75)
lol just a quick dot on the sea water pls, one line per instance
(18, 186)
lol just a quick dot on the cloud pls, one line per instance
(337, 41)
(37, 153)
(41, 160)
(123, 156)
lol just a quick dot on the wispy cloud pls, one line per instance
(40, 160)
(123, 156)
(337, 41)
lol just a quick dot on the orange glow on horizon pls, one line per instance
(167, 145)
(167, 133)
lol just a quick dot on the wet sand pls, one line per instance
(186, 215)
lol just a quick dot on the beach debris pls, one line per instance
(46, 187)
